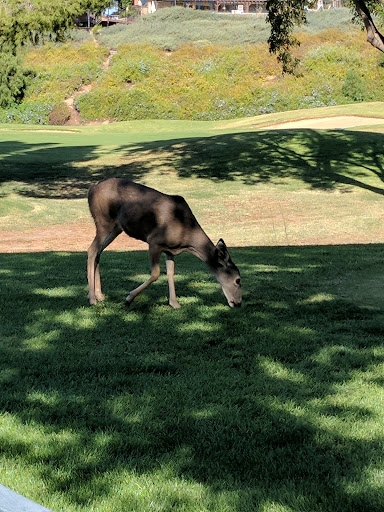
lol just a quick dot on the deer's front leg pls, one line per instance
(91, 270)
(170, 264)
(155, 254)
(102, 240)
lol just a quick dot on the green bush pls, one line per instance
(353, 87)
(26, 113)
(12, 79)
(132, 65)
(332, 59)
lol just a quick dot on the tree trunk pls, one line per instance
(373, 35)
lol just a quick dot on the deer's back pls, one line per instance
(142, 212)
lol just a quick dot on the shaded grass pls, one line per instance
(45, 163)
(275, 406)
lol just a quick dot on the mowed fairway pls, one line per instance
(273, 407)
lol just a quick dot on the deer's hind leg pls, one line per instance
(104, 236)
(155, 255)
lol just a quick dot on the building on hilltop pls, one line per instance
(229, 6)
(224, 6)
(113, 14)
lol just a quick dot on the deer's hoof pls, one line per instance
(174, 304)
(94, 299)
(129, 300)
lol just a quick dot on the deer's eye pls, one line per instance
(238, 281)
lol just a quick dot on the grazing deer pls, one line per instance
(166, 223)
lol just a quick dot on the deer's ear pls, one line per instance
(222, 252)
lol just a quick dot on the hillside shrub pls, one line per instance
(353, 87)
(321, 96)
(61, 70)
(332, 59)
(220, 82)
(26, 113)
(12, 79)
(132, 65)
(80, 35)
(209, 82)
(59, 114)
(117, 105)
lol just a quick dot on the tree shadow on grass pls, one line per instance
(269, 405)
(52, 171)
(321, 159)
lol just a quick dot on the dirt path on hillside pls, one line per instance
(75, 118)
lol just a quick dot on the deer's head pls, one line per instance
(227, 274)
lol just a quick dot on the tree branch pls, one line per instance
(373, 35)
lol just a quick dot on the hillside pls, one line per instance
(192, 65)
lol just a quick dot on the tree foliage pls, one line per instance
(285, 15)
(12, 79)
(31, 21)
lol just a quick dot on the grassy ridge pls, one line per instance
(168, 29)
(207, 82)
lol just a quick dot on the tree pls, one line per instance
(31, 21)
(284, 15)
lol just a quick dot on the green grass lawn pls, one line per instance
(273, 407)
(244, 181)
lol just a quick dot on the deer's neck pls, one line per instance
(202, 247)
